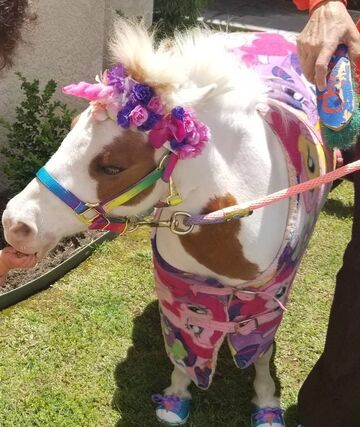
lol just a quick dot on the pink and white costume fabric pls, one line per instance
(197, 313)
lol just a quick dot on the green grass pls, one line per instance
(88, 352)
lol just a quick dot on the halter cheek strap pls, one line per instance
(94, 215)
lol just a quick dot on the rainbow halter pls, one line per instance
(95, 215)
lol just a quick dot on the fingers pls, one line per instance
(9, 249)
(321, 65)
(14, 259)
(29, 262)
(25, 261)
(306, 61)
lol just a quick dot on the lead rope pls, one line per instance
(245, 209)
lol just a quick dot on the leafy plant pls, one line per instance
(40, 125)
(170, 15)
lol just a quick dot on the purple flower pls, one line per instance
(123, 118)
(153, 118)
(175, 145)
(143, 93)
(116, 77)
(118, 71)
(132, 100)
(138, 115)
(178, 113)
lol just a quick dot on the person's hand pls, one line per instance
(329, 25)
(11, 258)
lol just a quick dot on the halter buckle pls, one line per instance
(89, 215)
(245, 327)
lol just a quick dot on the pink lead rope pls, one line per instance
(242, 210)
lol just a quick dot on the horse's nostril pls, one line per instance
(21, 229)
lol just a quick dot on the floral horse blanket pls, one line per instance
(197, 313)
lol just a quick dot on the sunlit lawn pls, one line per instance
(89, 352)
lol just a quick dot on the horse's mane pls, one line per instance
(194, 58)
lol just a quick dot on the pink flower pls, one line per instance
(188, 122)
(138, 115)
(155, 104)
(160, 133)
(177, 129)
(193, 137)
(204, 131)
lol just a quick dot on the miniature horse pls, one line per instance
(209, 121)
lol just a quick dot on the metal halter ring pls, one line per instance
(178, 225)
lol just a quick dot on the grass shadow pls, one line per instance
(291, 416)
(146, 370)
(337, 208)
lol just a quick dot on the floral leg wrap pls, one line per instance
(171, 410)
(266, 417)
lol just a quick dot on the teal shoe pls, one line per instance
(267, 417)
(171, 410)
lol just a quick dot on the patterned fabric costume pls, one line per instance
(198, 312)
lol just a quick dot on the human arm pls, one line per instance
(329, 25)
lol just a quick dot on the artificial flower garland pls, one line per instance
(136, 105)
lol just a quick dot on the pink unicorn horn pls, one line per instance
(90, 91)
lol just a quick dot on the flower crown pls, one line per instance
(135, 105)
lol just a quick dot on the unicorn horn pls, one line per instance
(90, 91)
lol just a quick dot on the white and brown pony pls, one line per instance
(225, 279)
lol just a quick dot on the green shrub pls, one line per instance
(39, 128)
(170, 15)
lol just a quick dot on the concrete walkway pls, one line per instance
(259, 14)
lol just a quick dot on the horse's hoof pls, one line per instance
(171, 410)
(266, 417)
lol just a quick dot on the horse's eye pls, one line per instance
(111, 170)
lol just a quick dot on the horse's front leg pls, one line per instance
(174, 406)
(267, 412)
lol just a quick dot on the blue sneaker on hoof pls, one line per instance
(171, 410)
(267, 417)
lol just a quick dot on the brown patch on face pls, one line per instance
(133, 156)
(217, 247)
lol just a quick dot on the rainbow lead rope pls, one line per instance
(337, 104)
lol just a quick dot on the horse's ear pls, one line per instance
(195, 95)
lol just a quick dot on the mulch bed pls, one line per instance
(60, 253)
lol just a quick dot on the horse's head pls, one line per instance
(132, 121)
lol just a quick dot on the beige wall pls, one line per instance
(66, 43)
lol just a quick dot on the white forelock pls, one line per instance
(193, 59)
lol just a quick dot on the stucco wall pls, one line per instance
(66, 43)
